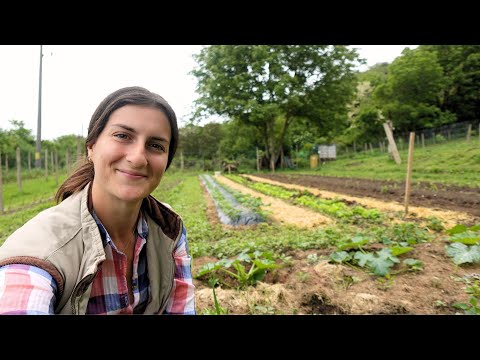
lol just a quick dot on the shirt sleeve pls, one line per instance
(26, 290)
(182, 298)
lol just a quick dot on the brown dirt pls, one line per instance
(302, 287)
(279, 211)
(435, 196)
(324, 288)
(317, 185)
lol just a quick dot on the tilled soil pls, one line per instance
(456, 198)
(301, 286)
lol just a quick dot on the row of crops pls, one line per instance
(252, 249)
(376, 243)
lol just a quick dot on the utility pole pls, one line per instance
(38, 148)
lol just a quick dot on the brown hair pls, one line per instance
(133, 95)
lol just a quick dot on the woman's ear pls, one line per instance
(89, 152)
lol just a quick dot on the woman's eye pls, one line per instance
(121, 136)
(157, 147)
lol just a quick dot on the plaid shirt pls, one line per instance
(27, 289)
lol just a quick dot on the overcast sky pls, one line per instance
(76, 78)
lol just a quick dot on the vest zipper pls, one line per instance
(80, 289)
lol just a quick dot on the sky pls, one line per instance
(76, 78)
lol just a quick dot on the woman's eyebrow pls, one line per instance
(128, 128)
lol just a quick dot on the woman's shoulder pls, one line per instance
(49, 229)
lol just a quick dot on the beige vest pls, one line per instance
(64, 240)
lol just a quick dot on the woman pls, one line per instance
(108, 247)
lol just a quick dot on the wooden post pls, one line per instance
(56, 167)
(46, 164)
(258, 159)
(391, 141)
(29, 163)
(182, 163)
(296, 152)
(434, 141)
(409, 171)
(282, 159)
(6, 164)
(371, 147)
(449, 134)
(67, 161)
(366, 147)
(423, 141)
(79, 149)
(19, 170)
(1, 184)
(469, 132)
(52, 157)
(355, 147)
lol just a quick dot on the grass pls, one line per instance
(453, 163)
(33, 191)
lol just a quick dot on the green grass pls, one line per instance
(11, 222)
(453, 163)
(33, 190)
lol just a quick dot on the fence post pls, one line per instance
(258, 161)
(1, 184)
(53, 159)
(391, 142)
(56, 167)
(29, 163)
(19, 170)
(409, 171)
(46, 164)
(423, 141)
(67, 161)
(79, 149)
(469, 132)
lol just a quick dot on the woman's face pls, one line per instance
(131, 153)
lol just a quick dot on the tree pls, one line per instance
(413, 91)
(272, 86)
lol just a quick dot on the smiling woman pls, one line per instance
(108, 247)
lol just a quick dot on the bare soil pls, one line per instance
(303, 287)
(436, 196)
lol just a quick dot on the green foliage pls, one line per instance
(453, 162)
(258, 264)
(462, 254)
(411, 95)
(378, 263)
(333, 207)
(460, 251)
(473, 290)
(270, 87)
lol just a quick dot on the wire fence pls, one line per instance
(469, 131)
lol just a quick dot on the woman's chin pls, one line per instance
(131, 196)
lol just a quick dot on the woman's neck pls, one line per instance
(118, 217)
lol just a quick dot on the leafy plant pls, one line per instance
(258, 265)
(461, 253)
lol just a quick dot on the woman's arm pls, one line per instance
(182, 299)
(26, 290)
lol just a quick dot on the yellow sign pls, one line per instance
(37, 155)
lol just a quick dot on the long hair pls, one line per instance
(133, 95)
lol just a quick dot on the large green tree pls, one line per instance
(413, 91)
(270, 87)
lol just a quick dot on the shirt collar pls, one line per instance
(142, 228)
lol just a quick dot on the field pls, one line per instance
(336, 240)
